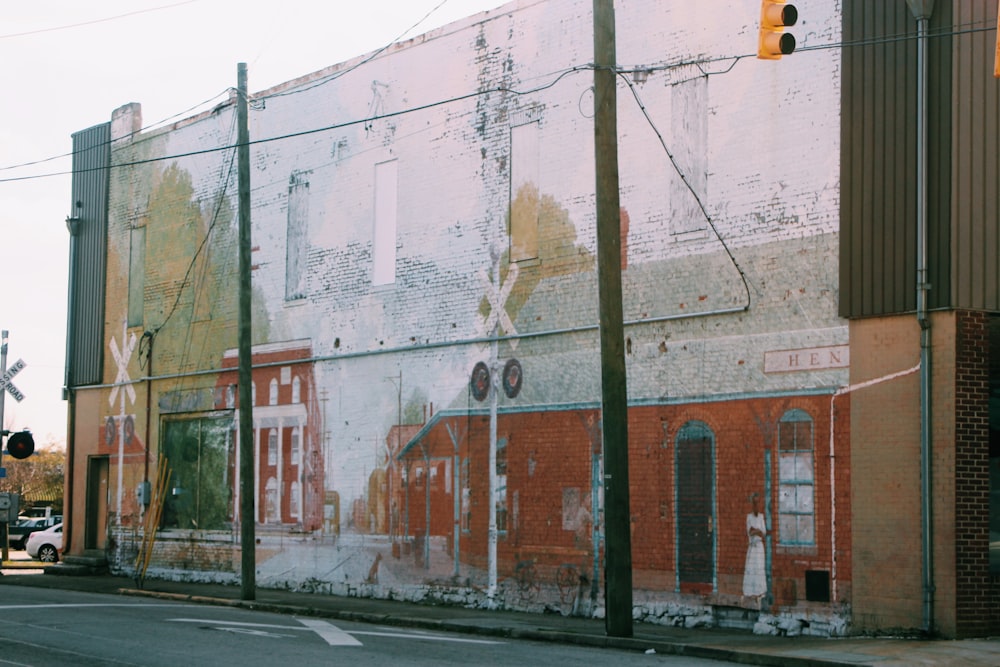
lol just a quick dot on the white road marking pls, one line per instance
(208, 621)
(333, 635)
(330, 633)
(255, 633)
(428, 637)
(72, 605)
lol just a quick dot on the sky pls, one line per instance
(65, 65)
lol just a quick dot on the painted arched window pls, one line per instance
(293, 500)
(296, 390)
(296, 445)
(272, 447)
(272, 394)
(796, 479)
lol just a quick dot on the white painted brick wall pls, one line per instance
(768, 158)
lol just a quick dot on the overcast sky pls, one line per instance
(65, 65)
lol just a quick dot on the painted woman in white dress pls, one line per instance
(754, 575)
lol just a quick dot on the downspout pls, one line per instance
(922, 10)
(148, 336)
(69, 391)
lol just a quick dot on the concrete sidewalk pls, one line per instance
(737, 646)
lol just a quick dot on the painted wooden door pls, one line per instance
(695, 520)
(96, 532)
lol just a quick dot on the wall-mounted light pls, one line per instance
(73, 221)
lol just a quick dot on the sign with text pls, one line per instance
(808, 359)
(7, 385)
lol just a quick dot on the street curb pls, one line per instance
(634, 644)
(21, 565)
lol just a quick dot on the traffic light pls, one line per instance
(20, 445)
(773, 41)
(996, 59)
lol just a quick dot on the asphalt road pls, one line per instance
(41, 627)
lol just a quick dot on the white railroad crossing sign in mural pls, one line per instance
(122, 380)
(121, 390)
(7, 385)
(498, 303)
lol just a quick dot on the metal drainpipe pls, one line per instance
(73, 223)
(922, 10)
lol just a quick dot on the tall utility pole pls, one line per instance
(614, 398)
(248, 559)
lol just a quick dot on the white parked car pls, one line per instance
(46, 545)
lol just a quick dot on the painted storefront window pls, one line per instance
(197, 451)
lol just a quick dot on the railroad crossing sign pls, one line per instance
(497, 298)
(124, 383)
(7, 385)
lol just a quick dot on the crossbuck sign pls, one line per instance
(7, 385)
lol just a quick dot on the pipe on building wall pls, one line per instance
(421, 347)
(148, 337)
(922, 11)
(73, 223)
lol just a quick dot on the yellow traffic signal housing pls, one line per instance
(996, 60)
(773, 41)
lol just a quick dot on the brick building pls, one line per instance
(424, 271)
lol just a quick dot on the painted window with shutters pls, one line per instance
(796, 511)
(296, 242)
(136, 276)
(524, 192)
(384, 242)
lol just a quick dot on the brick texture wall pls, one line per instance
(977, 594)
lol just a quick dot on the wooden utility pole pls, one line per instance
(248, 537)
(614, 398)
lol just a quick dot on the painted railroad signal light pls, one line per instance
(775, 16)
(20, 445)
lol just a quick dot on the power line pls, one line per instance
(687, 184)
(964, 29)
(189, 110)
(326, 128)
(129, 135)
(372, 56)
(95, 21)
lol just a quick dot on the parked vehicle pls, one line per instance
(46, 545)
(18, 532)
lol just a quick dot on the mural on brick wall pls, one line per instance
(426, 382)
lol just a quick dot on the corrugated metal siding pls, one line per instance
(975, 206)
(879, 166)
(85, 326)
(940, 152)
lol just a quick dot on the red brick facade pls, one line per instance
(977, 594)
(287, 430)
(547, 462)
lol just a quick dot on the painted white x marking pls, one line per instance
(121, 359)
(498, 302)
